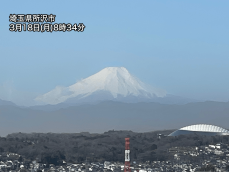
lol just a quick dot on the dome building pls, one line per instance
(200, 129)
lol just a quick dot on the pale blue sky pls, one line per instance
(180, 46)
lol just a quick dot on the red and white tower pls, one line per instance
(127, 155)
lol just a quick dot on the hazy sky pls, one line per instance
(180, 46)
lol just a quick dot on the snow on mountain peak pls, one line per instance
(115, 80)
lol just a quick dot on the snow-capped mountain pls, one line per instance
(111, 83)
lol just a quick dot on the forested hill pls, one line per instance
(52, 148)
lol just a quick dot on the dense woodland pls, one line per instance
(52, 148)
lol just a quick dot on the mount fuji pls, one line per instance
(111, 83)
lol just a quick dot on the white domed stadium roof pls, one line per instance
(202, 129)
(205, 128)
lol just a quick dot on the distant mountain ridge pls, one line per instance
(4, 102)
(109, 115)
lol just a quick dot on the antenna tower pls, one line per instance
(127, 155)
